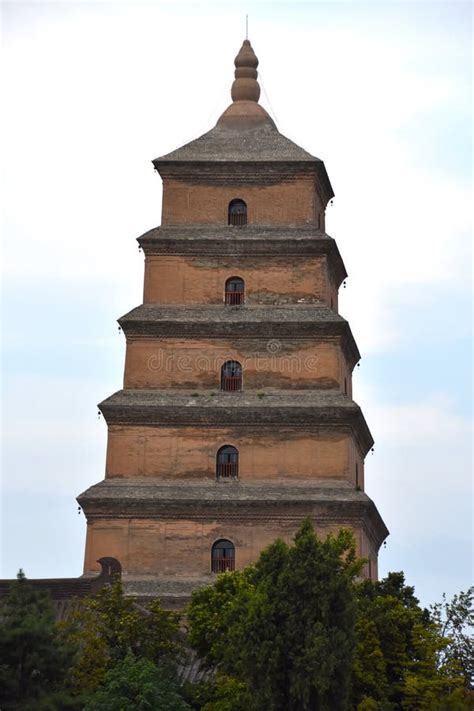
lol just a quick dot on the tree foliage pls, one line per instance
(400, 660)
(285, 628)
(219, 692)
(455, 621)
(296, 632)
(109, 626)
(34, 654)
(136, 684)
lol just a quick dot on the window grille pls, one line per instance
(231, 376)
(223, 556)
(237, 213)
(227, 464)
(234, 291)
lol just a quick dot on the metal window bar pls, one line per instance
(221, 565)
(231, 383)
(238, 217)
(234, 298)
(227, 470)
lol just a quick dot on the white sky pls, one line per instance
(382, 92)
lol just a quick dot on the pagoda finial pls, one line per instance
(245, 86)
(245, 112)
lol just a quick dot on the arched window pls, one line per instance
(223, 556)
(234, 291)
(231, 376)
(237, 213)
(227, 463)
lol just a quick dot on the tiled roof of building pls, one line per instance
(240, 143)
(248, 314)
(209, 490)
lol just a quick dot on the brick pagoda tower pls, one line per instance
(236, 419)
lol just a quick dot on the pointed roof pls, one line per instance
(245, 131)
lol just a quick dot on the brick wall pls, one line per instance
(180, 453)
(268, 280)
(196, 363)
(182, 548)
(292, 202)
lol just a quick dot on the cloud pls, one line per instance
(421, 424)
(53, 442)
(420, 478)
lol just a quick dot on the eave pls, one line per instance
(251, 240)
(314, 410)
(155, 499)
(299, 321)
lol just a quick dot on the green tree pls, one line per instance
(109, 626)
(455, 620)
(136, 684)
(285, 628)
(228, 694)
(370, 683)
(34, 654)
(398, 651)
(387, 611)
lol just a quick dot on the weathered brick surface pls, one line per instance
(291, 202)
(181, 549)
(268, 280)
(196, 363)
(180, 453)
(294, 243)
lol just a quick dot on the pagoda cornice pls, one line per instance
(299, 321)
(309, 409)
(230, 241)
(268, 172)
(291, 500)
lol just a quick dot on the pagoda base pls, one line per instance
(163, 532)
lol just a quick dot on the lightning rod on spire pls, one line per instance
(246, 27)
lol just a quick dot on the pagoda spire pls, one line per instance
(246, 86)
(245, 111)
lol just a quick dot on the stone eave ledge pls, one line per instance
(314, 409)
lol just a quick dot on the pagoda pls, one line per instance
(236, 419)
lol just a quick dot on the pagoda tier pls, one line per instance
(162, 530)
(270, 241)
(277, 346)
(324, 409)
(217, 320)
(236, 419)
(190, 264)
